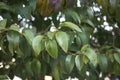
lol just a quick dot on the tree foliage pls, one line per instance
(60, 38)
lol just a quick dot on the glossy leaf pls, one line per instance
(69, 63)
(37, 44)
(51, 47)
(71, 26)
(79, 62)
(62, 39)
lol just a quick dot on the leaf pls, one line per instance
(28, 67)
(32, 4)
(71, 26)
(29, 35)
(5, 7)
(63, 40)
(89, 22)
(3, 77)
(69, 63)
(51, 47)
(55, 73)
(36, 66)
(3, 24)
(117, 57)
(11, 48)
(14, 27)
(90, 53)
(79, 62)
(103, 62)
(37, 45)
(50, 35)
(72, 16)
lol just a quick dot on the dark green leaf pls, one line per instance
(55, 73)
(36, 66)
(69, 63)
(117, 57)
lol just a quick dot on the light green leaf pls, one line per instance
(29, 35)
(79, 62)
(51, 47)
(89, 22)
(69, 63)
(3, 24)
(63, 40)
(50, 35)
(36, 66)
(71, 26)
(117, 57)
(14, 27)
(37, 45)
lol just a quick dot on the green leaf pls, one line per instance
(37, 45)
(14, 27)
(11, 48)
(5, 7)
(28, 67)
(36, 66)
(50, 35)
(32, 4)
(29, 35)
(63, 40)
(90, 53)
(51, 47)
(69, 63)
(89, 22)
(72, 16)
(3, 24)
(117, 57)
(103, 62)
(79, 62)
(71, 26)
(55, 73)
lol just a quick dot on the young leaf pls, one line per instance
(62, 39)
(79, 62)
(37, 45)
(69, 63)
(51, 47)
(71, 26)
(14, 27)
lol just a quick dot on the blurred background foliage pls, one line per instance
(59, 38)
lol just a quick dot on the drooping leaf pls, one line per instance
(79, 62)
(36, 66)
(51, 47)
(62, 39)
(69, 63)
(37, 45)
(71, 26)
(3, 24)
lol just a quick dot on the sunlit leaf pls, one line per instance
(3, 24)
(117, 57)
